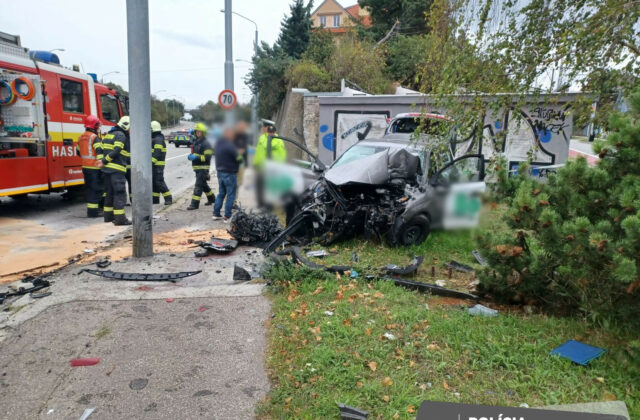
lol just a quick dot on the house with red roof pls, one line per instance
(332, 17)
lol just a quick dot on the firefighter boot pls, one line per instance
(156, 198)
(108, 214)
(93, 210)
(168, 199)
(211, 198)
(121, 220)
(195, 203)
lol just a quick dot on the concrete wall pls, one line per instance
(543, 126)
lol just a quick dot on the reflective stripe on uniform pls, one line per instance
(108, 209)
(92, 205)
(159, 163)
(90, 167)
(195, 197)
(118, 211)
(209, 194)
(199, 167)
(115, 166)
(166, 194)
(156, 194)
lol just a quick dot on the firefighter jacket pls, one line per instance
(115, 146)
(89, 149)
(203, 151)
(158, 150)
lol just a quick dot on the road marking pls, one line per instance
(175, 157)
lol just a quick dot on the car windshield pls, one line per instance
(358, 152)
(409, 125)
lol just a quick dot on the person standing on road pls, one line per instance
(200, 158)
(226, 155)
(268, 147)
(89, 149)
(115, 146)
(158, 153)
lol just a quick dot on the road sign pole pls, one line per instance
(228, 54)
(140, 114)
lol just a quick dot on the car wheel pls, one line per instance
(414, 232)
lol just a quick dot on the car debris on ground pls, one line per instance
(479, 258)
(455, 265)
(577, 352)
(352, 413)
(37, 284)
(113, 275)
(240, 274)
(390, 272)
(87, 361)
(482, 311)
(254, 228)
(217, 246)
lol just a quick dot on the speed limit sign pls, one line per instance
(227, 99)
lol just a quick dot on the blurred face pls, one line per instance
(241, 127)
(228, 133)
(199, 134)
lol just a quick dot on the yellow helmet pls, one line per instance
(155, 126)
(201, 127)
(124, 123)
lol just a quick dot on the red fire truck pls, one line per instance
(42, 110)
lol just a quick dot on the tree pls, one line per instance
(574, 242)
(267, 78)
(321, 47)
(384, 13)
(296, 29)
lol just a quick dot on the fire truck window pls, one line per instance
(109, 106)
(72, 100)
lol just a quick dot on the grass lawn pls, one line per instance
(384, 349)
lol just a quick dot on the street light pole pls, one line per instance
(140, 132)
(254, 108)
(106, 74)
(228, 56)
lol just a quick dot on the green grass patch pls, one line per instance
(102, 332)
(327, 345)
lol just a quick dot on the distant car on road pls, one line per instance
(181, 140)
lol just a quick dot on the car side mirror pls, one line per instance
(315, 167)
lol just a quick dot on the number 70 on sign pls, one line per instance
(227, 99)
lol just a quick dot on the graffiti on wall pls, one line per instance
(352, 127)
(539, 133)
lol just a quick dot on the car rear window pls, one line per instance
(410, 124)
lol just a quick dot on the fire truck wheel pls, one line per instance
(19, 197)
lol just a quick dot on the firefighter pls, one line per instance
(115, 146)
(90, 150)
(200, 158)
(158, 153)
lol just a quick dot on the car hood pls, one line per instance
(376, 169)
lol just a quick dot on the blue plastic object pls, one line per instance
(578, 352)
(191, 157)
(94, 77)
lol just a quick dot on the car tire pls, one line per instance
(413, 232)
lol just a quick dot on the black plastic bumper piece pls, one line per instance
(113, 275)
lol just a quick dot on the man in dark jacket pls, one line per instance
(226, 155)
(115, 147)
(200, 158)
(158, 153)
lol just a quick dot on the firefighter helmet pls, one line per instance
(124, 123)
(92, 122)
(201, 127)
(155, 126)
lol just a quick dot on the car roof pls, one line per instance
(429, 115)
(394, 141)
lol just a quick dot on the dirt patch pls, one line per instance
(25, 252)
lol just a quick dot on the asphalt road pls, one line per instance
(47, 228)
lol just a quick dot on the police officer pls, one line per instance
(268, 147)
(158, 153)
(90, 150)
(115, 146)
(200, 158)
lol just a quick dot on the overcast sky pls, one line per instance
(187, 39)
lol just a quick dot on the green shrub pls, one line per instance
(574, 242)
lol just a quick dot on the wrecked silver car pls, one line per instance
(389, 188)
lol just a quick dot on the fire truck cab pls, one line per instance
(42, 111)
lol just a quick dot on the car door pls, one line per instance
(459, 186)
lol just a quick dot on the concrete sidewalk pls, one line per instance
(200, 355)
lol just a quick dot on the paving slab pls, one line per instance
(190, 358)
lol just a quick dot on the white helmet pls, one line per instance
(155, 126)
(124, 123)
